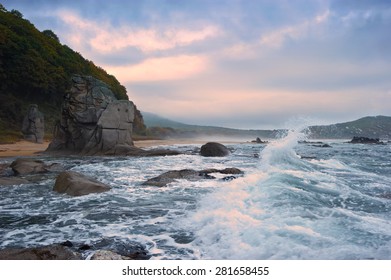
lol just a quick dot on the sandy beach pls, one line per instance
(22, 148)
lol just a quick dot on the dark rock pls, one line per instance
(23, 166)
(85, 247)
(259, 141)
(188, 174)
(67, 244)
(134, 151)
(12, 181)
(213, 149)
(115, 247)
(76, 184)
(33, 127)
(51, 252)
(365, 140)
(93, 121)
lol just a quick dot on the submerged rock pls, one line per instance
(191, 175)
(51, 252)
(12, 181)
(77, 184)
(365, 140)
(33, 127)
(213, 149)
(23, 166)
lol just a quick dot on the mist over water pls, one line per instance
(295, 201)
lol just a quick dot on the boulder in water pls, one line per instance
(23, 166)
(191, 175)
(77, 184)
(51, 252)
(365, 140)
(213, 149)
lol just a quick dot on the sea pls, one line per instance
(295, 201)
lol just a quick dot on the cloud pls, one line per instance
(103, 37)
(158, 69)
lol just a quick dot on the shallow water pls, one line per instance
(295, 201)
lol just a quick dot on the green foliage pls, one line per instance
(51, 34)
(36, 68)
(16, 13)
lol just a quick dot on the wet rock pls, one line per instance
(213, 149)
(33, 127)
(115, 247)
(189, 174)
(107, 255)
(23, 166)
(259, 141)
(134, 151)
(51, 252)
(365, 140)
(77, 184)
(12, 181)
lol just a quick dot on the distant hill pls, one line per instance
(164, 127)
(36, 68)
(373, 127)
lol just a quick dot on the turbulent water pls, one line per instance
(295, 201)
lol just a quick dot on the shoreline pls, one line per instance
(26, 148)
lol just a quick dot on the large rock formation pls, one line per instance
(93, 121)
(33, 127)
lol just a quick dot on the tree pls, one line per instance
(16, 13)
(2, 9)
(51, 34)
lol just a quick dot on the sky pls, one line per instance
(234, 63)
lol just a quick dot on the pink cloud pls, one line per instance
(106, 38)
(159, 69)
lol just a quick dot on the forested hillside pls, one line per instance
(36, 68)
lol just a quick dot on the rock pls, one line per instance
(213, 149)
(76, 184)
(51, 252)
(12, 181)
(127, 150)
(93, 121)
(365, 140)
(23, 166)
(107, 255)
(33, 127)
(189, 174)
(259, 141)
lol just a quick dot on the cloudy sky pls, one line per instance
(234, 63)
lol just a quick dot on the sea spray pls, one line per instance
(232, 222)
(291, 208)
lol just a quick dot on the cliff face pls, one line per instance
(93, 121)
(35, 68)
